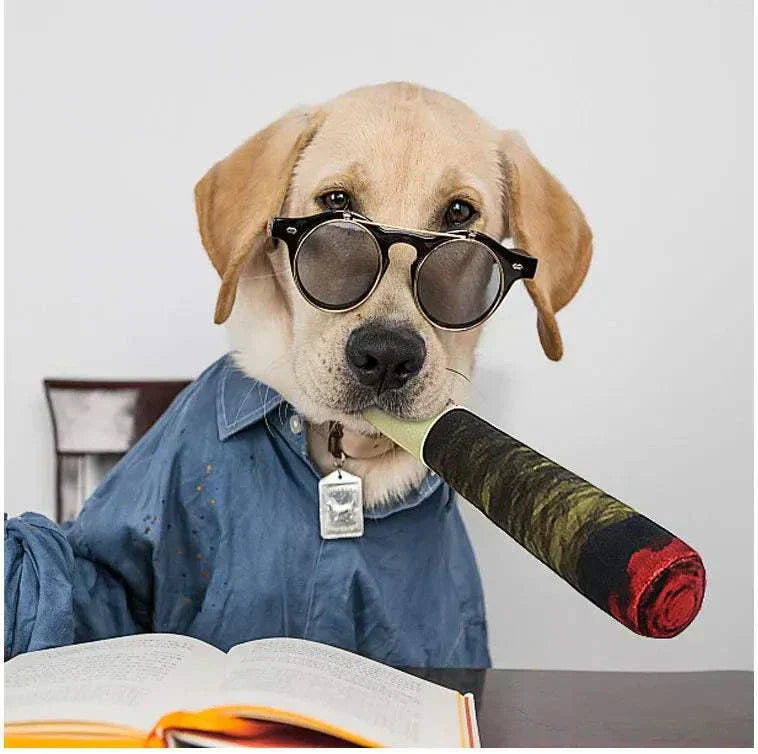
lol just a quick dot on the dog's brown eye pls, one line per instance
(335, 200)
(459, 213)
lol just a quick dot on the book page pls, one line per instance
(342, 689)
(130, 680)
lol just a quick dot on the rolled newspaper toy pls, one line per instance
(629, 566)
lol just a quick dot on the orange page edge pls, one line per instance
(228, 720)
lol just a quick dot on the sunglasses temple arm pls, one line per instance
(528, 267)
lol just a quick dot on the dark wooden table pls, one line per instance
(568, 708)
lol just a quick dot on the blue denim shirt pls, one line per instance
(209, 527)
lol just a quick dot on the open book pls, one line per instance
(175, 690)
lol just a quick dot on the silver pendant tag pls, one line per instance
(340, 498)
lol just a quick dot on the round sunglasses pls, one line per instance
(458, 278)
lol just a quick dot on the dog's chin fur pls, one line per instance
(261, 339)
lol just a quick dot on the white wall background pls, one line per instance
(643, 109)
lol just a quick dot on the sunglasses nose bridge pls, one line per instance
(395, 283)
(402, 254)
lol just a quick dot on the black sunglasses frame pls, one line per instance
(514, 264)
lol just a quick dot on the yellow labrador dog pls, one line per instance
(219, 524)
(403, 156)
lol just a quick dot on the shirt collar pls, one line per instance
(241, 400)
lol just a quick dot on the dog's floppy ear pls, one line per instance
(545, 221)
(241, 193)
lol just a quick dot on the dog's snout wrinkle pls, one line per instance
(384, 357)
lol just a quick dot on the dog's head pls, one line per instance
(403, 156)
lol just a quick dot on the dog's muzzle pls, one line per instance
(383, 356)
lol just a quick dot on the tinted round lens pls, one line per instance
(458, 283)
(338, 263)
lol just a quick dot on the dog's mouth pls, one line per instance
(402, 404)
(345, 399)
(395, 402)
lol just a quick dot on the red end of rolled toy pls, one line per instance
(666, 590)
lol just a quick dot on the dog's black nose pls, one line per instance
(384, 356)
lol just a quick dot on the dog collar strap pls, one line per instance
(354, 446)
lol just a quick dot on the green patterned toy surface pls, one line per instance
(626, 564)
